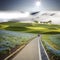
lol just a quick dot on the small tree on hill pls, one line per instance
(36, 21)
(50, 21)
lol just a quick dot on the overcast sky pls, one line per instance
(26, 17)
(29, 5)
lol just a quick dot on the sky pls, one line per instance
(46, 16)
(26, 17)
(29, 5)
(11, 9)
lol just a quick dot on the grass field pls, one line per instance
(31, 27)
(50, 35)
(52, 45)
(10, 40)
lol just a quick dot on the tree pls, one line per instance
(36, 21)
(50, 21)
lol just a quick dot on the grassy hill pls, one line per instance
(31, 27)
(50, 35)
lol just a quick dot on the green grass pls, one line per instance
(10, 39)
(50, 34)
(31, 27)
(52, 40)
(51, 43)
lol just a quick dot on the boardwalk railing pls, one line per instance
(44, 54)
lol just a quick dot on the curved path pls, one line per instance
(29, 52)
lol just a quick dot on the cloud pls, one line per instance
(54, 16)
(13, 15)
(10, 15)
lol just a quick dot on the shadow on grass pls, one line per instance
(41, 32)
(25, 29)
(17, 28)
(51, 32)
(36, 31)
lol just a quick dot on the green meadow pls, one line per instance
(50, 35)
(51, 43)
(10, 41)
(31, 27)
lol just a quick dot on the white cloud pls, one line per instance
(5, 16)
(13, 15)
(55, 18)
